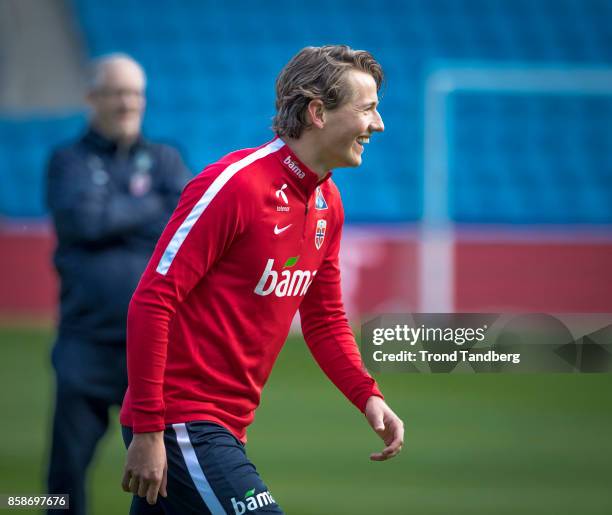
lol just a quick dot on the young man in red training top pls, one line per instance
(255, 237)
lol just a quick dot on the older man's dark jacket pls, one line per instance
(109, 206)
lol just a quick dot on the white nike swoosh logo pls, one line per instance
(278, 231)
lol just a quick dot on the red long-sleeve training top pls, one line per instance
(254, 237)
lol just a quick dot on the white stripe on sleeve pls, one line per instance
(221, 180)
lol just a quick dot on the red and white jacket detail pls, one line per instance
(254, 238)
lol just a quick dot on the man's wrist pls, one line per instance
(374, 396)
(152, 436)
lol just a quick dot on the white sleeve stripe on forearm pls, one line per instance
(182, 232)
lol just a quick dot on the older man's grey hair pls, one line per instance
(97, 68)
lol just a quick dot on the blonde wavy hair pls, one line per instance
(317, 73)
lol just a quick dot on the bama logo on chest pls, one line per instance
(285, 283)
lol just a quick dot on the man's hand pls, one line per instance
(146, 468)
(387, 425)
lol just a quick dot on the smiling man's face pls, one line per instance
(348, 128)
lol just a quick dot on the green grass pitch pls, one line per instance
(475, 444)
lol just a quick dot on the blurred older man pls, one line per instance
(110, 195)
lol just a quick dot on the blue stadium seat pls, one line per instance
(211, 67)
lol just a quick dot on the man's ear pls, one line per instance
(316, 113)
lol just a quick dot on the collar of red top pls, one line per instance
(302, 176)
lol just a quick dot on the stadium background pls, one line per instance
(490, 190)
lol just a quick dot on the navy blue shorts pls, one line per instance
(208, 473)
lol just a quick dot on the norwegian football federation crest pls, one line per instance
(320, 233)
(141, 181)
(320, 199)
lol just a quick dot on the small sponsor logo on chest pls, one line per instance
(281, 196)
(320, 202)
